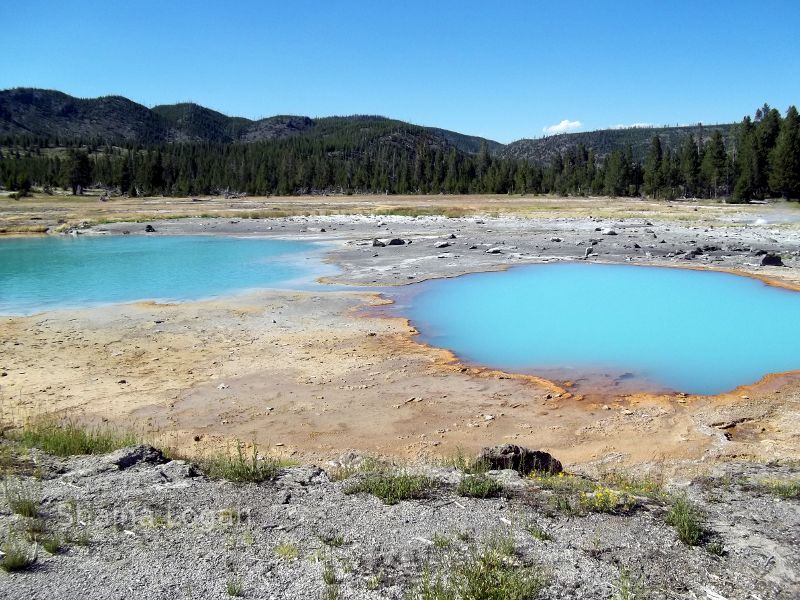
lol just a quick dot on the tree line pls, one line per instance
(762, 161)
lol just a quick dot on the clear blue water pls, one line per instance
(38, 274)
(638, 327)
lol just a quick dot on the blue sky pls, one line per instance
(504, 70)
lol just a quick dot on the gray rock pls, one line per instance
(441, 245)
(520, 459)
(149, 229)
(494, 250)
(508, 478)
(133, 455)
(378, 243)
(395, 242)
(609, 232)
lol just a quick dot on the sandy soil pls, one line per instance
(312, 374)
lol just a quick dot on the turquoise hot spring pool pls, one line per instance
(621, 326)
(38, 274)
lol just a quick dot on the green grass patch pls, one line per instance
(650, 488)
(287, 551)
(478, 486)
(69, 438)
(538, 532)
(686, 518)
(240, 467)
(484, 574)
(392, 486)
(787, 489)
(629, 588)
(234, 587)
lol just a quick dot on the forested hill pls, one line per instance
(53, 116)
(603, 142)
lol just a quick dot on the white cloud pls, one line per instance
(563, 127)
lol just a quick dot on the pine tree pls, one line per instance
(78, 171)
(690, 167)
(652, 168)
(746, 162)
(785, 159)
(712, 168)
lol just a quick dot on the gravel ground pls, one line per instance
(439, 247)
(163, 530)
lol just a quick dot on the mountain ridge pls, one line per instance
(53, 114)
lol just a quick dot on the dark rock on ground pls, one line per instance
(520, 459)
(771, 259)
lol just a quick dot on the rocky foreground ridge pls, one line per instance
(135, 524)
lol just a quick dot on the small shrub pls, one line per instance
(715, 548)
(16, 557)
(234, 587)
(478, 486)
(604, 500)
(287, 551)
(239, 467)
(68, 438)
(392, 487)
(686, 520)
(441, 542)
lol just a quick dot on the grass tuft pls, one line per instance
(484, 575)
(16, 557)
(538, 532)
(52, 544)
(479, 486)
(787, 489)
(629, 588)
(234, 587)
(391, 486)
(687, 521)
(23, 499)
(332, 540)
(287, 551)
(239, 467)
